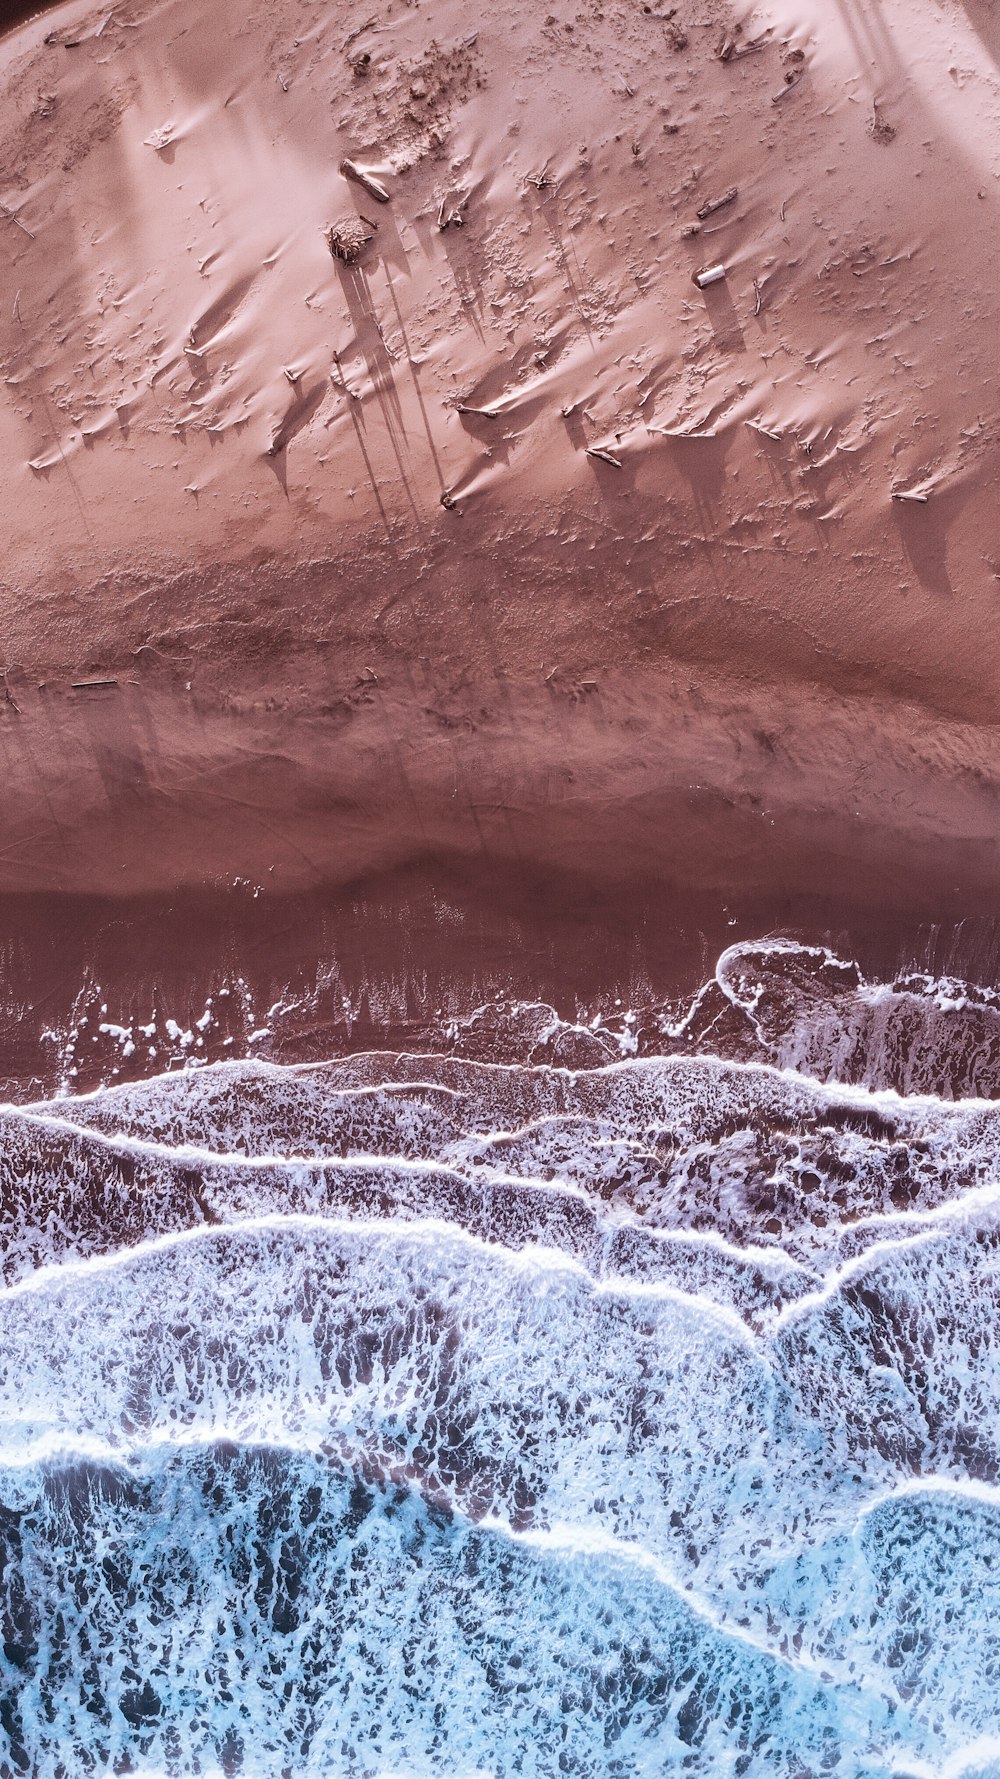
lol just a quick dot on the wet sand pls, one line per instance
(377, 630)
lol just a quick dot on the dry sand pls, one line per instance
(333, 531)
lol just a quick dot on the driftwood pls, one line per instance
(713, 204)
(604, 456)
(367, 182)
(730, 50)
(909, 494)
(451, 212)
(12, 216)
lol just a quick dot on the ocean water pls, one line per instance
(604, 1400)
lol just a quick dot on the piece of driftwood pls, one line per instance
(348, 237)
(359, 31)
(90, 685)
(792, 79)
(367, 181)
(909, 494)
(13, 217)
(604, 456)
(711, 205)
(731, 50)
(451, 212)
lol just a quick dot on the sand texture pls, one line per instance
(483, 532)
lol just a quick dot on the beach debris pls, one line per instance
(343, 385)
(348, 237)
(708, 275)
(766, 431)
(792, 78)
(603, 456)
(711, 205)
(293, 376)
(690, 230)
(484, 413)
(91, 685)
(160, 138)
(683, 432)
(361, 64)
(105, 22)
(914, 494)
(16, 311)
(380, 330)
(367, 181)
(540, 180)
(451, 211)
(879, 128)
(664, 16)
(359, 31)
(732, 50)
(12, 216)
(756, 297)
(449, 501)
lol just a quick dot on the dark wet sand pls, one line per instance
(161, 843)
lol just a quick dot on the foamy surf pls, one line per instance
(451, 1414)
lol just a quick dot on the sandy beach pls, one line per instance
(504, 555)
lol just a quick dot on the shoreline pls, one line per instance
(162, 843)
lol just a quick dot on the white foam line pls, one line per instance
(984, 1197)
(840, 1092)
(592, 1542)
(561, 1540)
(852, 1268)
(534, 1260)
(767, 1259)
(186, 1154)
(959, 1490)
